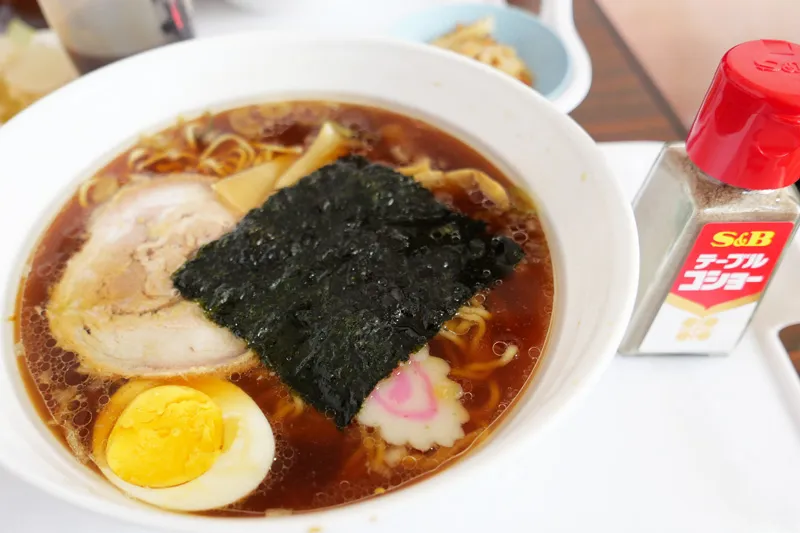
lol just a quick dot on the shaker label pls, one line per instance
(730, 263)
(716, 291)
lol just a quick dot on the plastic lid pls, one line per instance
(747, 132)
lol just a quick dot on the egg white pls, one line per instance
(247, 455)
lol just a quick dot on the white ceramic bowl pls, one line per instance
(61, 140)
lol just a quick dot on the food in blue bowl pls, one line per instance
(476, 41)
(545, 51)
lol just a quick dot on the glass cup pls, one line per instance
(27, 10)
(98, 32)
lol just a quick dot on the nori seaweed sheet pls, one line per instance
(336, 280)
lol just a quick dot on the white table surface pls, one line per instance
(665, 444)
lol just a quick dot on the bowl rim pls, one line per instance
(341, 515)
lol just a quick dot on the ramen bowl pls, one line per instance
(48, 149)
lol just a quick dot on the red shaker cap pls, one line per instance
(747, 132)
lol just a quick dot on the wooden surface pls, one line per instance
(623, 104)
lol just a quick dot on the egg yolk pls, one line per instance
(166, 436)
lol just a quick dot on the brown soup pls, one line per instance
(316, 465)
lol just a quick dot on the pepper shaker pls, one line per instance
(715, 213)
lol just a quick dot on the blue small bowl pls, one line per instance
(537, 45)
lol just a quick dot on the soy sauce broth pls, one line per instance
(316, 465)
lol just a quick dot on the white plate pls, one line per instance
(644, 457)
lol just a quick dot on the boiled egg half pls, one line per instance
(192, 445)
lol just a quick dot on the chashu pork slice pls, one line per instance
(115, 305)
